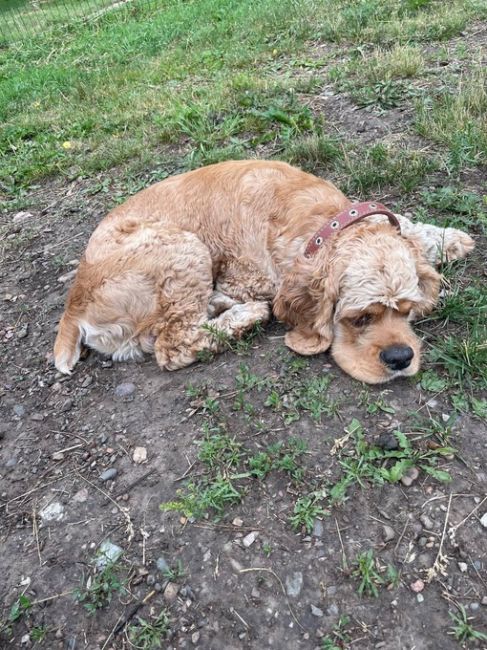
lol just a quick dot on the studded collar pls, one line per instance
(355, 212)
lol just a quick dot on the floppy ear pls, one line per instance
(429, 282)
(306, 300)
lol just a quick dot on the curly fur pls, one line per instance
(219, 245)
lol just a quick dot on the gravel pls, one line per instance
(109, 474)
(294, 584)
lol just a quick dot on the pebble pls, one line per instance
(67, 276)
(125, 389)
(171, 591)
(388, 441)
(139, 455)
(484, 600)
(331, 591)
(474, 606)
(11, 463)
(19, 410)
(237, 522)
(58, 455)
(23, 331)
(316, 611)
(52, 512)
(417, 586)
(108, 552)
(294, 584)
(427, 522)
(109, 474)
(410, 476)
(249, 539)
(388, 533)
(162, 565)
(195, 637)
(255, 593)
(150, 580)
(22, 217)
(318, 528)
(483, 520)
(67, 405)
(420, 598)
(81, 496)
(463, 566)
(87, 381)
(332, 610)
(158, 586)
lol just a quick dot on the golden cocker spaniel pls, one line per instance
(219, 245)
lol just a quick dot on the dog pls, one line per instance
(212, 250)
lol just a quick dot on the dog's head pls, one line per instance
(359, 295)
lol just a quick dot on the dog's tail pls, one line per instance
(67, 347)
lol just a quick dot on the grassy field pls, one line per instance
(388, 98)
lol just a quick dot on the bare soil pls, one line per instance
(58, 435)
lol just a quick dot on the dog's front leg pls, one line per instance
(306, 342)
(438, 244)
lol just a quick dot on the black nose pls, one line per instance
(397, 357)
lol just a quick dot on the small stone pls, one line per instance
(23, 331)
(420, 598)
(427, 522)
(171, 591)
(25, 639)
(158, 586)
(125, 389)
(162, 565)
(237, 522)
(484, 600)
(139, 455)
(11, 463)
(316, 611)
(150, 580)
(318, 528)
(109, 474)
(195, 637)
(22, 217)
(331, 591)
(108, 553)
(81, 496)
(19, 410)
(87, 381)
(249, 539)
(388, 533)
(410, 476)
(483, 520)
(422, 541)
(417, 586)
(52, 512)
(388, 441)
(67, 276)
(255, 593)
(37, 417)
(58, 455)
(67, 405)
(294, 584)
(474, 606)
(332, 610)
(463, 566)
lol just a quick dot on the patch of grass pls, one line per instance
(432, 382)
(374, 406)
(19, 608)
(211, 495)
(455, 118)
(366, 571)
(175, 572)
(149, 635)
(38, 634)
(238, 346)
(218, 449)
(462, 629)
(366, 462)
(279, 456)
(99, 588)
(339, 637)
(306, 509)
(463, 209)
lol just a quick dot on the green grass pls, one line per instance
(89, 97)
(97, 591)
(148, 635)
(462, 629)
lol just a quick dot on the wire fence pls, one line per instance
(20, 19)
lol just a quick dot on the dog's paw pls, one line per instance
(456, 244)
(305, 343)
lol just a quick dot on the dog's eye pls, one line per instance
(362, 321)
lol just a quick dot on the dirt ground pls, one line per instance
(247, 578)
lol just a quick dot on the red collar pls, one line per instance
(356, 212)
